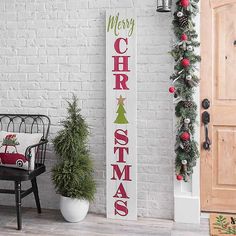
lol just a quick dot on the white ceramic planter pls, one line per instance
(72, 209)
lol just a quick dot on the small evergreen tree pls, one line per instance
(73, 174)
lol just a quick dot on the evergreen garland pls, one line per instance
(184, 82)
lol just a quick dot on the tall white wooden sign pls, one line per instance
(121, 106)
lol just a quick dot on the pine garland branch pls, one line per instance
(185, 81)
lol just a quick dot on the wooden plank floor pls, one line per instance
(51, 223)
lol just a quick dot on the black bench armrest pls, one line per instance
(37, 145)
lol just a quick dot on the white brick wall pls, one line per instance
(51, 48)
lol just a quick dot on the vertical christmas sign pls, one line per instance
(121, 106)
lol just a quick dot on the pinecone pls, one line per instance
(188, 104)
(186, 147)
(183, 21)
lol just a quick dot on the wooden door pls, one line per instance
(218, 84)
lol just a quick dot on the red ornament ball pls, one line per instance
(185, 62)
(179, 177)
(184, 37)
(184, 3)
(185, 136)
(171, 89)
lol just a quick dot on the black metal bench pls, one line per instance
(25, 123)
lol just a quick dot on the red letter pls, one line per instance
(125, 171)
(121, 191)
(121, 153)
(122, 136)
(121, 82)
(121, 208)
(117, 45)
(123, 62)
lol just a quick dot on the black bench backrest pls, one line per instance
(27, 123)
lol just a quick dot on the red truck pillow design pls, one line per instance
(13, 147)
(10, 156)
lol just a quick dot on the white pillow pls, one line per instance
(13, 147)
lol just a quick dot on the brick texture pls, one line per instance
(50, 49)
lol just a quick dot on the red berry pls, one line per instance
(172, 89)
(185, 136)
(184, 37)
(185, 62)
(179, 177)
(184, 3)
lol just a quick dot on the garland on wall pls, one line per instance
(185, 81)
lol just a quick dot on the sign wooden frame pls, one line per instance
(121, 114)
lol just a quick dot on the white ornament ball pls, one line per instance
(188, 77)
(180, 14)
(186, 120)
(184, 162)
(190, 48)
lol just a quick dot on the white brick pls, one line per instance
(56, 59)
(24, 34)
(37, 24)
(26, 15)
(17, 77)
(91, 13)
(10, 16)
(144, 4)
(55, 6)
(20, 6)
(74, 4)
(69, 68)
(56, 42)
(39, 94)
(72, 86)
(8, 68)
(77, 42)
(50, 86)
(36, 60)
(14, 103)
(99, 3)
(2, 8)
(37, 77)
(28, 68)
(54, 24)
(47, 33)
(16, 42)
(36, 43)
(32, 7)
(27, 51)
(9, 85)
(80, 59)
(48, 68)
(11, 60)
(30, 103)
(51, 49)
(76, 23)
(122, 3)
(48, 51)
(68, 51)
(66, 33)
(7, 51)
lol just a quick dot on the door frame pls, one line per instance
(187, 195)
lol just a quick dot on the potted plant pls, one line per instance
(73, 174)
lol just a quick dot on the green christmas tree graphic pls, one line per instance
(10, 141)
(121, 119)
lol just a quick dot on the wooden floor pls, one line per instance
(50, 222)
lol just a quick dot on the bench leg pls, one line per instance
(18, 204)
(36, 194)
